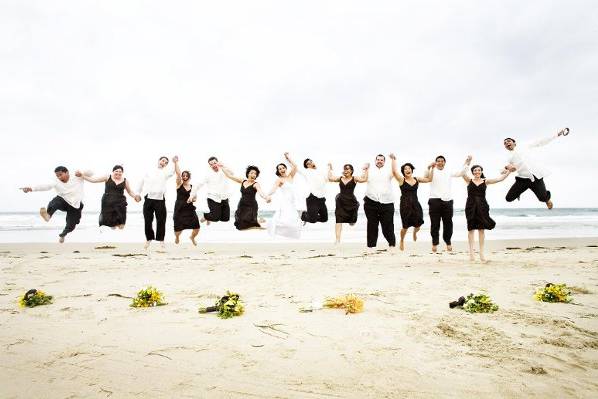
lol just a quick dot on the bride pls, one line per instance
(285, 221)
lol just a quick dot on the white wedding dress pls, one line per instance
(285, 221)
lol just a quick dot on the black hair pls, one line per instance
(439, 157)
(62, 169)
(187, 172)
(277, 173)
(381, 155)
(250, 168)
(407, 164)
(165, 157)
(212, 159)
(509, 138)
(305, 162)
(118, 167)
(478, 166)
(350, 167)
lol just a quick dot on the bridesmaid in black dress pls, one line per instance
(184, 215)
(410, 209)
(477, 210)
(114, 203)
(246, 213)
(346, 202)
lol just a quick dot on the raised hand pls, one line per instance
(432, 165)
(563, 132)
(366, 166)
(392, 156)
(26, 189)
(175, 159)
(468, 159)
(330, 165)
(286, 156)
(78, 173)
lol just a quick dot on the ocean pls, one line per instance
(511, 223)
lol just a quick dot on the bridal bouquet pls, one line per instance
(228, 306)
(33, 298)
(553, 293)
(350, 302)
(148, 297)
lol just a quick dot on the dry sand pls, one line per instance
(406, 344)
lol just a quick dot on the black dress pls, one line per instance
(114, 204)
(246, 213)
(346, 203)
(477, 210)
(411, 211)
(184, 213)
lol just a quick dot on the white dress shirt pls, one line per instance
(378, 187)
(440, 186)
(527, 168)
(316, 181)
(153, 183)
(216, 183)
(71, 191)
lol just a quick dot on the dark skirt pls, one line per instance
(114, 210)
(346, 209)
(185, 216)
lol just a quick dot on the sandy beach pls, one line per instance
(406, 344)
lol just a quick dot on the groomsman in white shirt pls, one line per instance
(153, 187)
(530, 175)
(316, 210)
(70, 194)
(378, 204)
(217, 192)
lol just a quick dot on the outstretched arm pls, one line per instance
(177, 172)
(129, 191)
(544, 141)
(279, 182)
(364, 177)
(463, 172)
(429, 176)
(430, 166)
(498, 179)
(258, 188)
(95, 179)
(293, 164)
(395, 170)
(39, 187)
(331, 177)
(228, 173)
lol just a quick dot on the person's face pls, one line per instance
(282, 170)
(477, 172)
(117, 174)
(509, 144)
(310, 164)
(380, 161)
(214, 165)
(440, 162)
(252, 175)
(347, 172)
(162, 162)
(407, 171)
(63, 176)
(185, 177)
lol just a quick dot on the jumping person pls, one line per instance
(69, 190)
(285, 221)
(247, 209)
(529, 175)
(184, 215)
(440, 204)
(477, 210)
(153, 187)
(316, 212)
(346, 202)
(378, 204)
(217, 193)
(114, 203)
(411, 211)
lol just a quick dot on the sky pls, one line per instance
(90, 84)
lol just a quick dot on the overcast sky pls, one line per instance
(91, 84)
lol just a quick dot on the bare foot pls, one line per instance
(414, 235)
(549, 204)
(392, 250)
(207, 222)
(121, 226)
(402, 245)
(162, 245)
(483, 259)
(193, 240)
(43, 212)
(147, 244)
(449, 248)
(471, 257)
(434, 248)
(61, 239)
(176, 239)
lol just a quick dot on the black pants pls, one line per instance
(383, 214)
(219, 211)
(316, 210)
(73, 215)
(157, 207)
(441, 210)
(521, 185)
